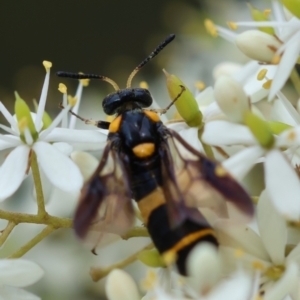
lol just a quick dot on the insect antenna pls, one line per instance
(161, 46)
(87, 76)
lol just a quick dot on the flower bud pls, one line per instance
(258, 45)
(121, 286)
(151, 258)
(204, 267)
(186, 104)
(231, 98)
(23, 115)
(278, 127)
(293, 6)
(260, 129)
(258, 15)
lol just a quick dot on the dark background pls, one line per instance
(92, 36)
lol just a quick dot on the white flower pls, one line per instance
(288, 32)
(205, 283)
(28, 134)
(263, 253)
(281, 179)
(205, 269)
(15, 274)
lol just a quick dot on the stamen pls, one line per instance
(72, 101)
(28, 136)
(47, 65)
(210, 27)
(150, 281)
(22, 124)
(200, 85)
(262, 74)
(267, 84)
(276, 59)
(274, 272)
(232, 25)
(85, 82)
(267, 12)
(62, 88)
(258, 265)
(238, 253)
(144, 85)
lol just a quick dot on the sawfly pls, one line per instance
(145, 161)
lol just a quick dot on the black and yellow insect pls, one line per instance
(145, 161)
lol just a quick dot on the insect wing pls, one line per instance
(191, 180)
(105, 205)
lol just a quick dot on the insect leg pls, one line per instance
(99, 124)
(164, 110)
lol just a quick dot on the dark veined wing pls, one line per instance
(191, 180)
(105, 205)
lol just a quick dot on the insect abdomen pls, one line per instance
(178, 241)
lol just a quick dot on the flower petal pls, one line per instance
(287, 62)
(223, 133)
(64, 148)
(294, 255)
(59, 168)
(241, 163)
(75, 136)
(227, 289)
(19, 272)
(86, 162)
(269, 221)
(9, 141)
(241, 237)
(12, 171)
(282, 185)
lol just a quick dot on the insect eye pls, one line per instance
(143, 97)
(111, 103)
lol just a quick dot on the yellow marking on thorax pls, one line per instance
(149, 203)
(153, 116)
(115, 124)
(144, 150)
(190, 238)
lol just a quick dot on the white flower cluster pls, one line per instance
(254, 129)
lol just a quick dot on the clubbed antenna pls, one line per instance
(161, 46)
(87, 76)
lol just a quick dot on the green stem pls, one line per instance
(38, 185)
(6, 232)
(17, 218)
(24, 249)
(295, 80)
(98, 273)
(207, 149)
(137, 231)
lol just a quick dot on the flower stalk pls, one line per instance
(99, 273)
(6, 232)
(38, 185)
(34, 241)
